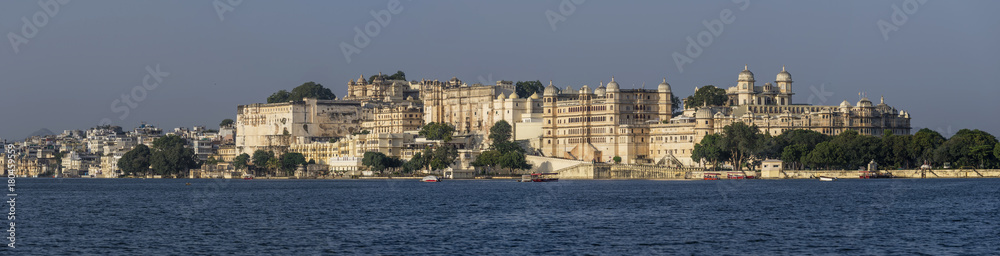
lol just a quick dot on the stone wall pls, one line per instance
(915, 174)
(548, 164)
(623, 171)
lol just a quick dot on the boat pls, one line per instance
(545, 177)
(247, 176)
(710, 176)
(430, 178)
(824, 178)
(874, 175)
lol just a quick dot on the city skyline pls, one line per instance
(210, 60)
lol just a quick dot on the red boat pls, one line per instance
(874, 175)
(710, 176)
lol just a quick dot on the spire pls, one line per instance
(612, 79)
(550, 82)
(782, 67)
(664, 79)
(746, 67)
(882, 99)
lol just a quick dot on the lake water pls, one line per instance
(316, 217)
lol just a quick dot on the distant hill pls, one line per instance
(41, 132)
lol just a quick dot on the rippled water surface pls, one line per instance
(310, 217)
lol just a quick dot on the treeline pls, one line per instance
(745, 146)
(168, 156)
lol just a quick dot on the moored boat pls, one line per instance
(710, 176)
(544, 177)
(824, 178)
(430, 178)
(247, 176)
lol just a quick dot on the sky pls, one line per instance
(190, 63)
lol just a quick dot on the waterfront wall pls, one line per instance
(623, 171)
(548, 164)
(854, 174)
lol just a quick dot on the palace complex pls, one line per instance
(589, 124)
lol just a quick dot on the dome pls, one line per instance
(513, 95)
(601, 90)
(500, 97)
(585, 89)
(783, 76)
(612, 86)
(664, 86)
(845, 104)
(551, 90)
(351, 82)
(535, 96)
(703, 113)
(864, 103)
(361, 79)
(746, 75)
(569, 89)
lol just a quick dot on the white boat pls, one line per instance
(822, 178)
(431, 178)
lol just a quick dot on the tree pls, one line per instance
(226, 122)
(617, 159)
(378, 162)
(306, 90)
(437, 131)
(171, 157)
(996, 150)
(793, 154)
(212, 161)
(676, 105)
(290, 161)
(399, 75)
(742, 142)
(823, 155)
(896, 150)
(135, 161)
(923, 144)
(710, 149)
(261, 158)
(968, 148)
(707, 95)
(500, 132)
(240, 162)
(280, 96)
(525, 89)
(444, 156)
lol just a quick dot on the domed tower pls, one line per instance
(784, 82)
(704, 123)
(549, 115)
(745, 87)
(665, 101)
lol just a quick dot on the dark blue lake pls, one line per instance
(313, 217)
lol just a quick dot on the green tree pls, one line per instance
(437, 131)
(306, 90)
(676, 105)
(793, 154)
(710, 149)
(525, 89)
(241, 161)
(513, 161)
(260, 159)
(996, 150)
(280, 96)
(379, 162)
(743, 143)
(823, 155)
(171, 157)
(707, 95)
(212, 161)
(896, 150)
(925, 141)
(444, 156)
(291, 161)
(500, 132)
(617, 159)
(968, 148)
(135, 161)
(399, 75)
(226, 122)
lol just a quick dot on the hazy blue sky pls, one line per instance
(941, 64)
